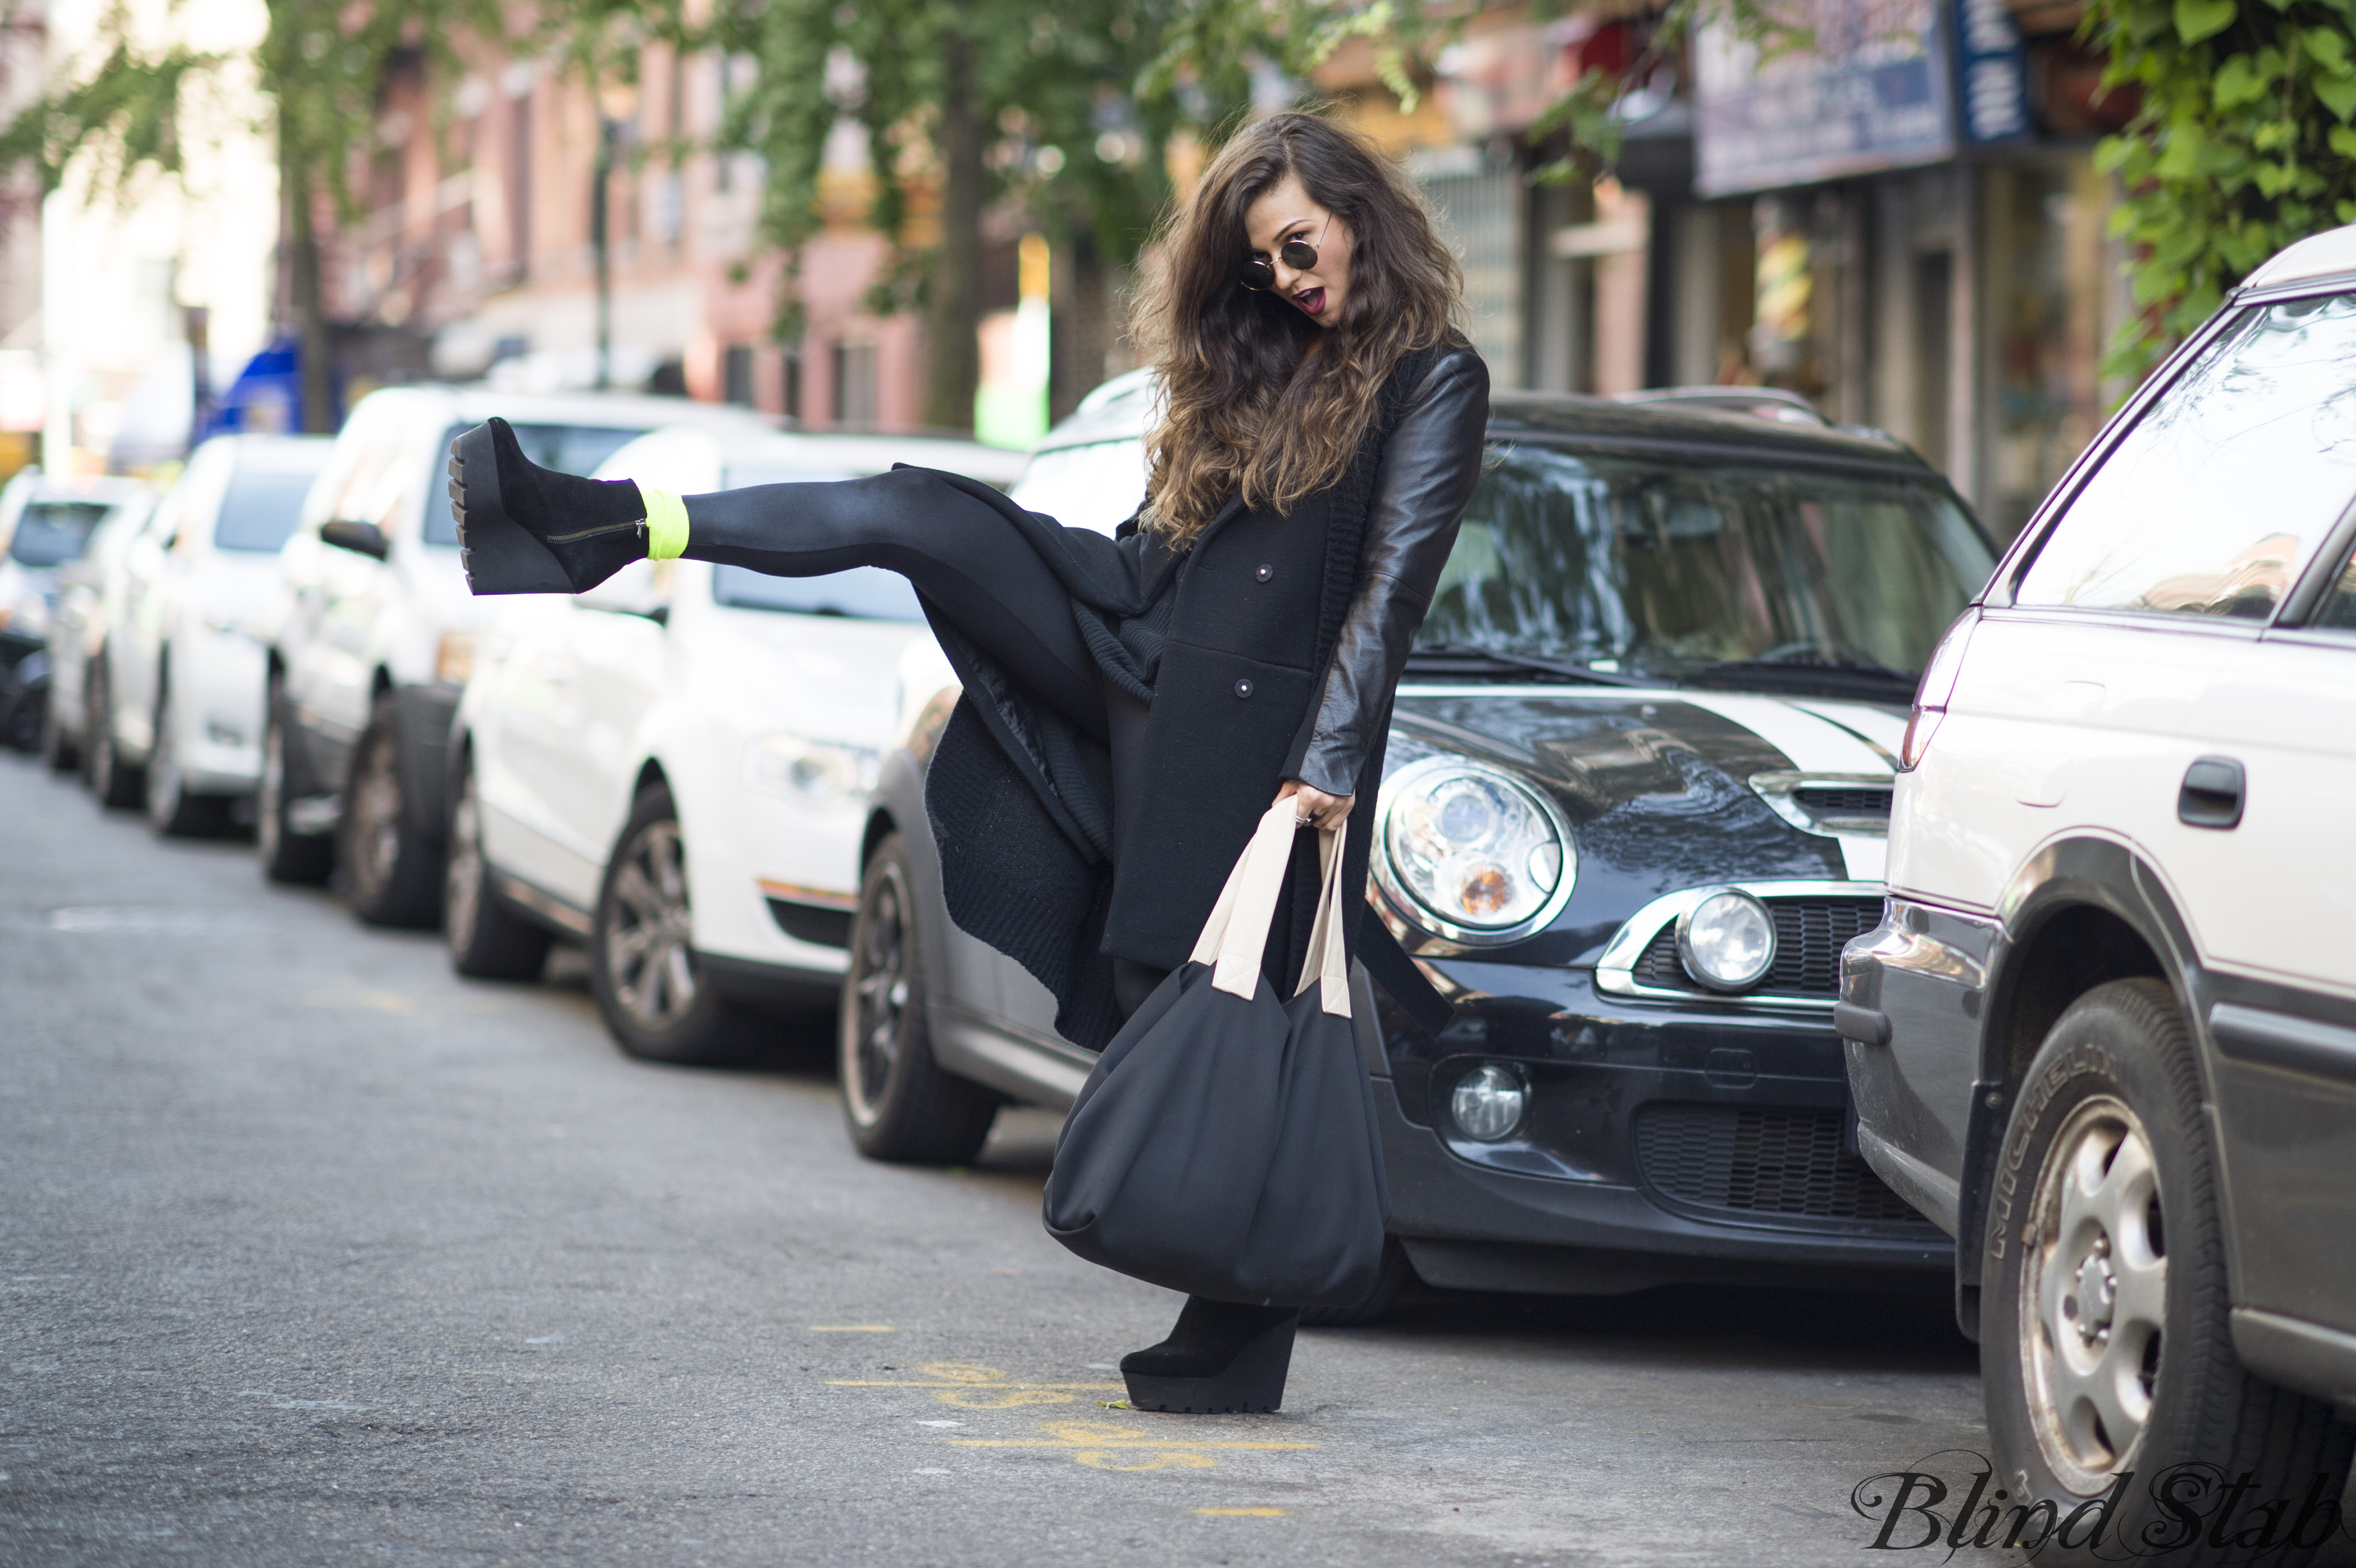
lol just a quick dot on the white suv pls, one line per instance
(2105, 1034)
(378, 633)
(675, 767)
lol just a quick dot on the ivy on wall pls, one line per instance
(2244, 141)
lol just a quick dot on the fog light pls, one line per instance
(1728, 940)
(1488, 1103)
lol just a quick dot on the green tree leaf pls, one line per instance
(2199, 19)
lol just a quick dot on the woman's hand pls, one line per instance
(1314, 806)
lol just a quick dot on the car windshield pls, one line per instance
(1607, 566)
(567, 448)
(50, 533)
(862, 593)
(259, 509)
(1093, 487)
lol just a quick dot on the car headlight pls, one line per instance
(1471, 853)
(1488, 1103)
(1728, 940)
(454, 658)
(817, 773)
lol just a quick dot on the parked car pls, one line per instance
(376, 632)
(674, 767)
(45, 525)
(77, 628)
(1637, 784)
(176, 691)
(2104, 1033)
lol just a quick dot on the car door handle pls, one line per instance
(2212, 794)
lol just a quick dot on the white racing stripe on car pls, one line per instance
(1877, 727)
(1816, 743)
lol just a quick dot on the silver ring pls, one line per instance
(1300, 821)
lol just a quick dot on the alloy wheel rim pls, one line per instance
(879, 994)
(2093, 1295)
(460, 886)
(649, 933)
(377, 811)
(163, 769)
(273, 790)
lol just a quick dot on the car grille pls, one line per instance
(1809, 935)
(1762, 1161)
(1844, 801)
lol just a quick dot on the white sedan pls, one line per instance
(675, 767)
(185, 673)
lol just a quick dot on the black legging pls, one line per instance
(975, 567)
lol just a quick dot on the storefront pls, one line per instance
(1903, 222)
(1926, 238)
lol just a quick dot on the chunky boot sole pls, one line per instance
(1253, 1383)
(499, 554)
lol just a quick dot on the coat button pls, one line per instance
(1264, 572)
(1243, 689)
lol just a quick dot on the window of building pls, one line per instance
(854, 383)
(519, 187)
(793, 379)
(736, 375)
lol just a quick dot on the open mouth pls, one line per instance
(1310, 301)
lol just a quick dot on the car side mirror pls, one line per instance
(366, 538)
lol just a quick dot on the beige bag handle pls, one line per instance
(1237, 933)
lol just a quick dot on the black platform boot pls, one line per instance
(1222, 1357)
(523, 528)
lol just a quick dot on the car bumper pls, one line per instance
(1663, 1142)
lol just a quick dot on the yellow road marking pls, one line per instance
(1242, 1513)
(859, 1383)
(1078, 1435)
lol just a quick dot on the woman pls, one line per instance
(1129, 703)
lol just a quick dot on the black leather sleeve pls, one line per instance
(1427, 473)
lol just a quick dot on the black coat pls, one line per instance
(1270, 650)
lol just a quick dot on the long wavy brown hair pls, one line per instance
(1248, 407)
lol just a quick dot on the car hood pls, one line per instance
(1657, 785)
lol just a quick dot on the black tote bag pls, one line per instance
(1226, 1144)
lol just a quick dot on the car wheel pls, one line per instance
(1396, 1275)
(896, 1101)
(642, 965)
(171, 811)
(287, 856)
(488, 940)
(59, 752)
(390, 875)
(21, 730)
(2106, 1346)
(116, 783)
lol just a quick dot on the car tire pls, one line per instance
(656, 1003)
(2105, 1341)
(488, 940)
(1395, 1275)
(172, 810)
(288, 857)
(387, 872)
(117, 785)
(897, 1102)
(20, 730)
(59, 752)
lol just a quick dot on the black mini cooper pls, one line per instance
(1638, 796)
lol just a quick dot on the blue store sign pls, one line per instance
(1873, 93)
(1991, 73)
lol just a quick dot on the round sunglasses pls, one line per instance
(1259, 273)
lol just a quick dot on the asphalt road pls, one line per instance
(311, 1252)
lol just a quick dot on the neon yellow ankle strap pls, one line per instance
(666, 524)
